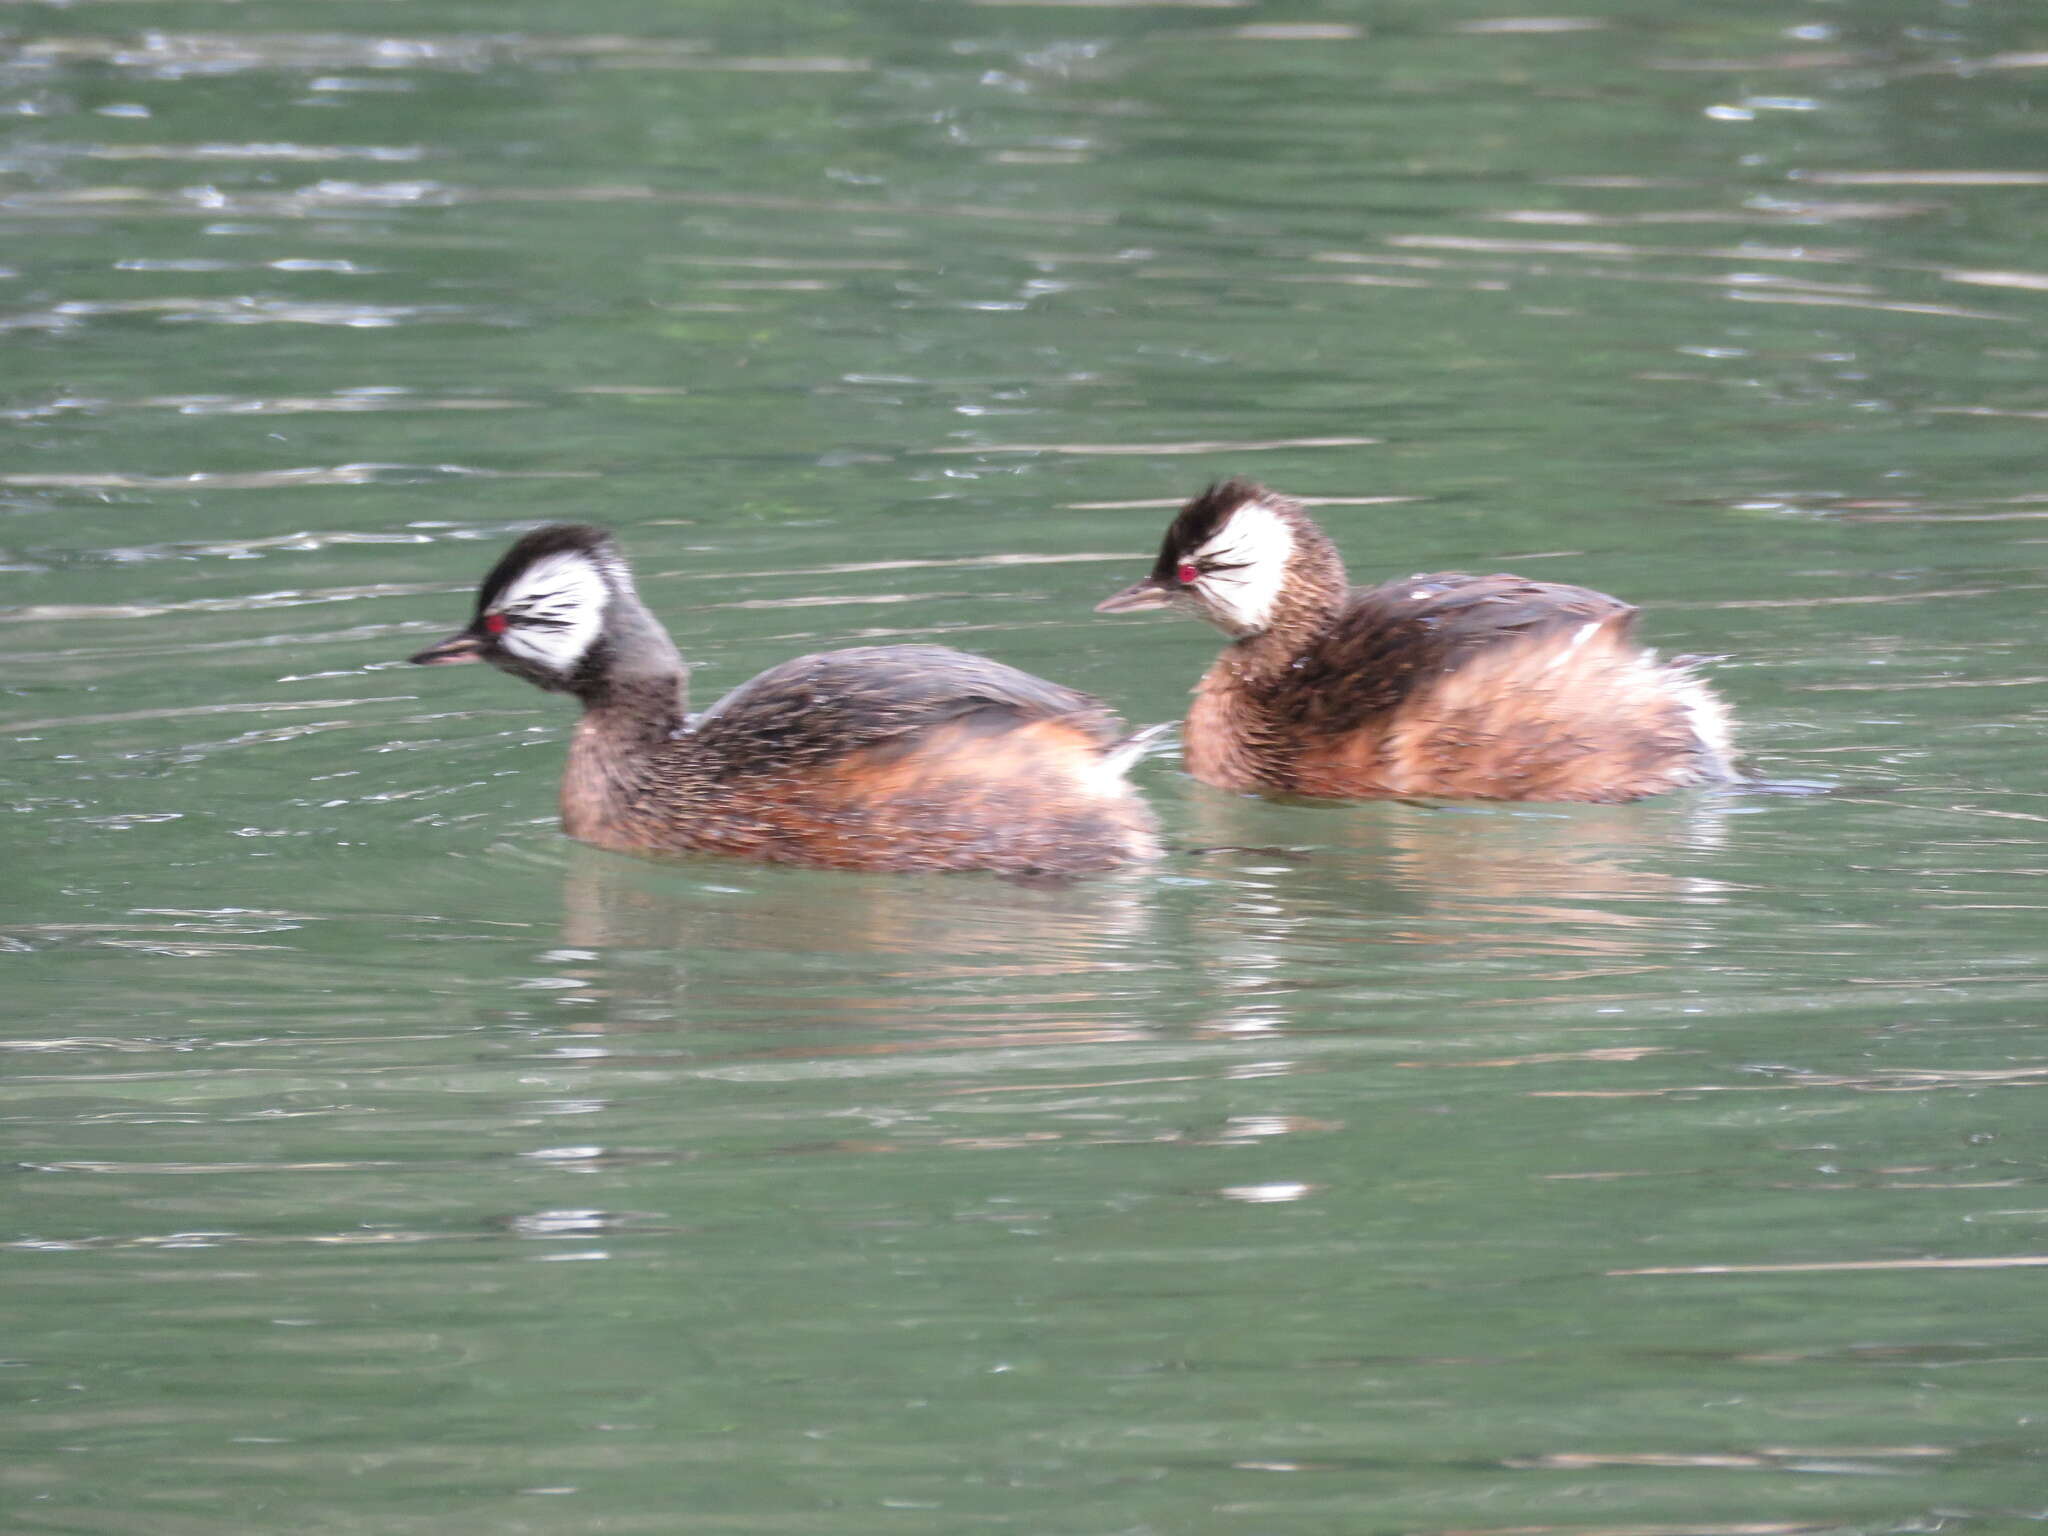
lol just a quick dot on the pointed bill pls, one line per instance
(443, 653)
(1136, 598)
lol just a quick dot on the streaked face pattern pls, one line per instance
(550, 612)
(1235, 576)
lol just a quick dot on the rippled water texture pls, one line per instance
(382, 1162)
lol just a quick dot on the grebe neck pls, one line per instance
(634, 689)
(1307, 606)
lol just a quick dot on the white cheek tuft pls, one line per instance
(556, 606)
(1250, 552)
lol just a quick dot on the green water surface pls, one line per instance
(377, 1161)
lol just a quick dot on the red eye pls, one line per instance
(496, 623)
(1187, 575)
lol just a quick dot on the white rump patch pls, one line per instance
(1108, 777)
(556, 606)
(1710, 722)
(1250, 551)
(1713, 728)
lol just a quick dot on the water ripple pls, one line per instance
(249, 310)
(291, 153)
(284, 479)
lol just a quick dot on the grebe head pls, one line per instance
(1226, 558)
(552, 610)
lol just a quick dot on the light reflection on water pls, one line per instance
(380, 1158)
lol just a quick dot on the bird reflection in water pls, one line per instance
(1611, 890)
(1256, 910)
(955, 961)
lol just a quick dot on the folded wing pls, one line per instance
(871, 699)
(1390, 639)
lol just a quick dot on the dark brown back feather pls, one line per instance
(1390, 638)
(819, 708)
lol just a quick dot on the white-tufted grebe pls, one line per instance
(909, 757)
(1488, 687)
